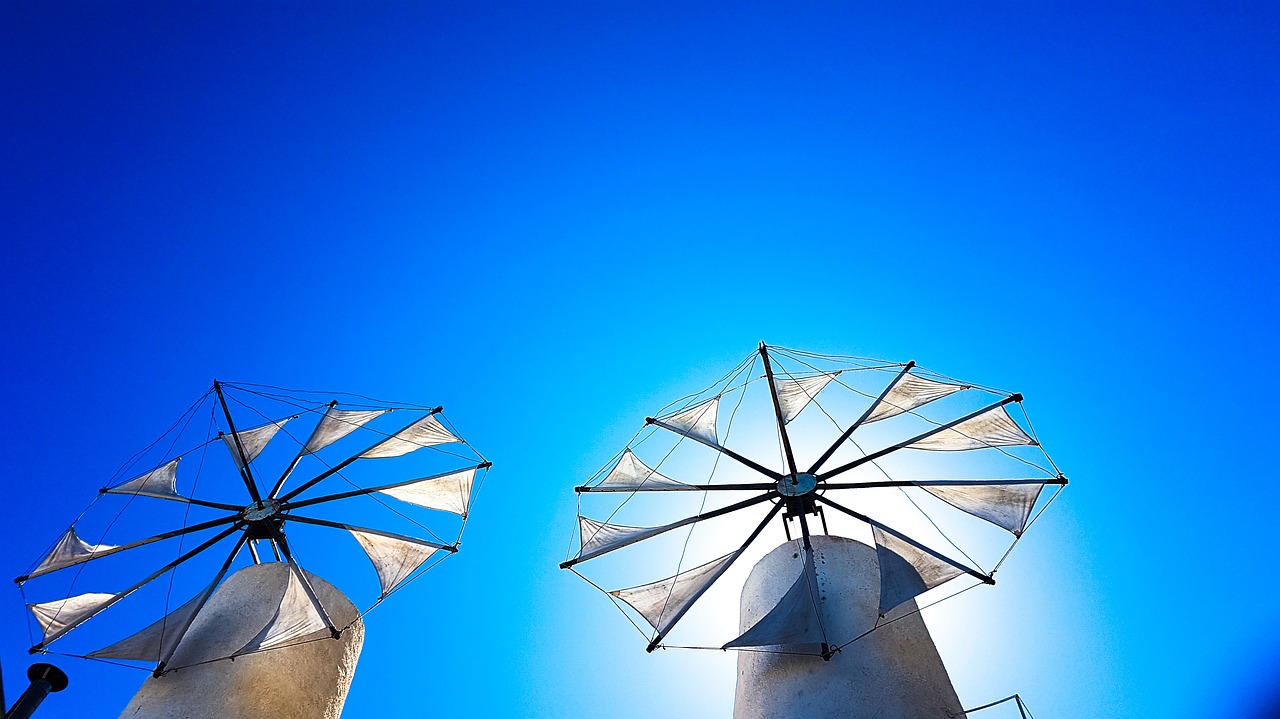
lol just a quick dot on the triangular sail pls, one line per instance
(426, 432)
(699, 421)
(1004, 505)
(61, 616)
(993, 428)
(159, 482)
(69, 550)
(252, 440)
(159, 640)
(450, 493)
(907, 571)
(663, 602)
(600, 538)
(394, 559)
(796, 394)
(336, 424)
(295, 618)
(911, 392)
(631, 473)
(793, 622)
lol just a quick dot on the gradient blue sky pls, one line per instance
(552, 219)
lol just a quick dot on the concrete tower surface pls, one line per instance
(892, 673)
(305, 681)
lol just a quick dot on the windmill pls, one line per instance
(876, 450)
(305, 465)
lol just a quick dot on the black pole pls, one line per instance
(45, 679)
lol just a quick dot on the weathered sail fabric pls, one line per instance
(699, 421)
(993, 428)
(69, 550)
(426, 432)
(159, 482)
(796, 394)
(252, 440)
(1005, 505)
(661, 603)
(295, 618)
(394, 559)
(631, 473)
(159, 640)
(450, 493)
(600, 538)
(336, 424)
(906, 570)
(793, 622)
(911, 392)
(61, 616)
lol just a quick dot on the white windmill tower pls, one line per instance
(269, 638)
(828, 622)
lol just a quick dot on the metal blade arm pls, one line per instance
(371, 490)
(209, 543)
(942, 483)
(849, 432)
(777, 411)
(245, 473)
(379, 532)
(763, 486)
(986, 578)
(653, 644)
(888, 450)
(139, 543)
(723, 450)
(164, 660)
(675, 525)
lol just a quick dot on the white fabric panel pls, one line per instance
(160, 639)
(906, 570)
(295, 618)
(394, 559)
(450, 493)
(796, 394)
(662, 602)
(253, 440)
(159, 482)
(1004, 505)
(909, 393)
(631, 473)
(698, 421)
(338, 423)
(61, 616)
(424, 433)
(793, 622)
(993, 428)
(599, 537)
(69, 550)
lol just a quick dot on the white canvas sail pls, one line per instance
(1007, 506)
(993, 428)
(338, 423)
(394, 559)
(69, 550)
(796, 394)
(793, 623)
(160, 639)
(159, 482)
(426, 432)
(662, 603)
(61, 616)
(631, 473)
(699, 421)
(450, 493)
(252, 440)
(906, 570)
(911, 392)
(294, 619)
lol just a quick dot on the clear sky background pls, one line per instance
(553, 219)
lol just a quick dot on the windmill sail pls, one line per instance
(793, 624)
(61, 616)
(993, 428)
(631, 473)
(907, 571)
(663, 602)
(159, 482)
(426, 432)
(600, 538)
(698, 422)
(69, 550)
(1005, 505)
(911, 392)
(160, 639)
(252, 440)
(295, 618)
(450, 493)
(394, 559)
(796, 394)
(338, 423)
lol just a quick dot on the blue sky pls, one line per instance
(553, 219)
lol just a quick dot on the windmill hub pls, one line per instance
(797, 486)
(258, 512)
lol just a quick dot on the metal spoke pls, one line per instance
(245, 473)
(683, 488)
(777, 411)
(849, 432)
(186, 625)
(942, 483)
(723, 450)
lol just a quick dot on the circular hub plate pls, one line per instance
(801, 485)
(254, 513)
